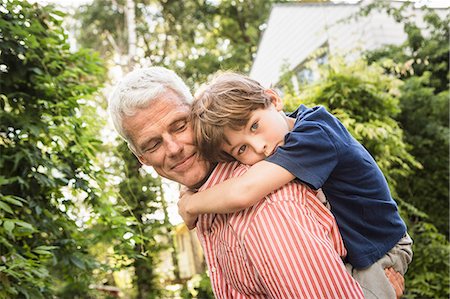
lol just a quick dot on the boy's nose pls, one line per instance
(260, 147)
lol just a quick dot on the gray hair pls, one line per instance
(137, 89)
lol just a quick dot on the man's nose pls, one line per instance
(173, 146)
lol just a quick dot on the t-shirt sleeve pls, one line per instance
(308, 153)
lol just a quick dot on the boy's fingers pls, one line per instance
(192, 225)
(183, 190)
(397, 281)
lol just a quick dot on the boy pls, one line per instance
(235, 118)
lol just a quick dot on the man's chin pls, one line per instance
(195, 178)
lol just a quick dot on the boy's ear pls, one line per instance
(275, 99)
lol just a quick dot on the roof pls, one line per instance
(295, 30)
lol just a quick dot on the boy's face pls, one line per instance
(260, 137)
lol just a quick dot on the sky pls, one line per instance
(75, 3)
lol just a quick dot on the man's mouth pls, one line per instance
(184, 164)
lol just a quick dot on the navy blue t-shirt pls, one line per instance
(320, 152)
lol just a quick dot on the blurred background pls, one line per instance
(81, 218)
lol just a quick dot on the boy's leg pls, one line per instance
(373, 280)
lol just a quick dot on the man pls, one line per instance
(284, 247)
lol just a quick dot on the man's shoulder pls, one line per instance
(220, 173)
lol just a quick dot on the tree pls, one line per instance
(194, 38)
(367, 101)
(47, 161)
(423, 63)
(141, 194)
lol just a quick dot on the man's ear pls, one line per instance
(275, 99)
(139, 157)
(141, 160)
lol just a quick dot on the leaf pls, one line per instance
(45, 247)
(37, 71)
(22, 231)
(6, 207)
(8, 225)
(15, 200)
(24, 224)
(6, 181)
(77, 262)
(44, 252)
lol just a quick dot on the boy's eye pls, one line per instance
(254, 127)
(242, 149)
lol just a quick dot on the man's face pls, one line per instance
(163, 138)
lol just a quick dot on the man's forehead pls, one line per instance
(157, 116)
(171, 97)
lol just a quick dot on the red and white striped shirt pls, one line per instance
(286, 246)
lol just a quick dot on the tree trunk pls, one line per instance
(131, 26)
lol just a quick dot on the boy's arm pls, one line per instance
(238, 193)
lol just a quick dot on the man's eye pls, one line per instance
(254, 127)
(180, 126)
(152, 147)
(242, 149)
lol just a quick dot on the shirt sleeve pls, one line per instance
(308, 153)
(293, 258)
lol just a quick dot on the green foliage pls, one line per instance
(425, 50)
(204, 287)
(428, 274)
(194, 38)
(198, 286)
(423, 63)
(400, 112)
(424, 118)
(143, 195)
(47, 147)
(366, 102)
(110, 17)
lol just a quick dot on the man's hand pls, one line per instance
(396, 280)
(189, 219)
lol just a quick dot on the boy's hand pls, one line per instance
(323, 199)
(189, 219)
(397, 281)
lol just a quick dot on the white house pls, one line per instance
(296, 30)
